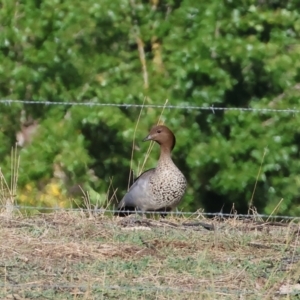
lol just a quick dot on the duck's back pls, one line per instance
(139, 193)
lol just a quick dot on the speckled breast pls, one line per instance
(168, 186)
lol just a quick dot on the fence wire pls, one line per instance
(130, 105)
(173, 213)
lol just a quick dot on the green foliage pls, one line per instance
(218, 53)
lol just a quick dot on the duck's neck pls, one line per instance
(165, 154)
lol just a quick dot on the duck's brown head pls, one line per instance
(163, 136)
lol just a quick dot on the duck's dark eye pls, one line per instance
(158, 131)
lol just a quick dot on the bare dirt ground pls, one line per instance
(69, 255)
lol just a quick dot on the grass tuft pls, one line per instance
(8, 191)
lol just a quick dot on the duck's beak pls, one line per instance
(147, 138)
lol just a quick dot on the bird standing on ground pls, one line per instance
(161, 188)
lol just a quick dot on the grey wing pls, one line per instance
(137, 194)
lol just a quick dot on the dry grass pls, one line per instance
(68, 255)
(8, 192)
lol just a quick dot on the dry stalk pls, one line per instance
(152, 143)
(8, 193)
